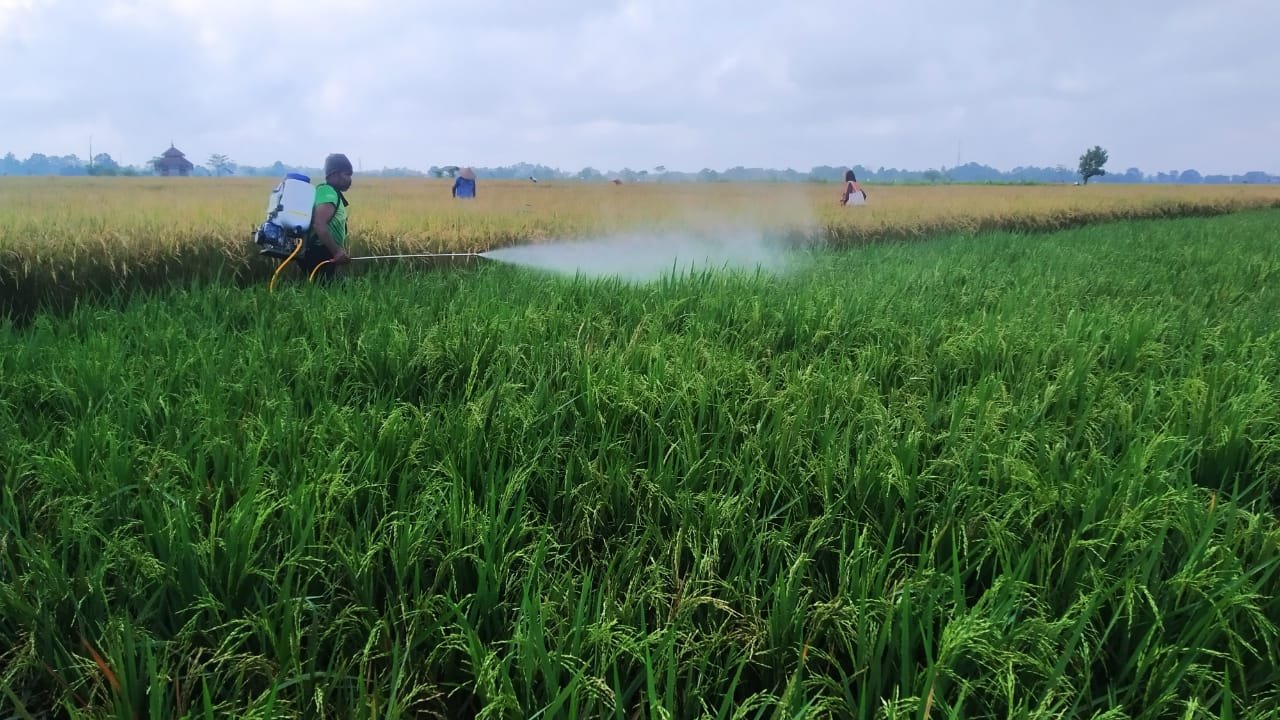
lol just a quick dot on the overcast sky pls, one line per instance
(1161, 84)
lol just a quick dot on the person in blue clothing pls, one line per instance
(464, 186)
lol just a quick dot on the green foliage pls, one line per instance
(1091, 163)
(221, 165)
(988, 476)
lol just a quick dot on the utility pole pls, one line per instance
(91, 152)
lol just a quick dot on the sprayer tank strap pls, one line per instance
(326, 193)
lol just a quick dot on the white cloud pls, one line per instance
(616, 83)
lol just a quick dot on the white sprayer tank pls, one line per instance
(291, 202)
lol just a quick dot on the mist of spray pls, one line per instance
(760, 230)
(641, 256)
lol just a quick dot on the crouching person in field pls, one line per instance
(327, 240)
(853, 194)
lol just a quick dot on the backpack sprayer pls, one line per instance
(288, 224)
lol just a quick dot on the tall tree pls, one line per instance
(37, 164)
(104, 164)
(1091, 163)
(220, 165)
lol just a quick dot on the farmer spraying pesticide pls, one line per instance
(307, 226)
(326, 244)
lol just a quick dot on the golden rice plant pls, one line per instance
(62, 238)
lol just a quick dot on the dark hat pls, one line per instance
(336, 163)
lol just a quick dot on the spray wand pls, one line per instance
(416, 255)
(315, 270)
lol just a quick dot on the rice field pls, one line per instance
(66, 239)
(991, 475)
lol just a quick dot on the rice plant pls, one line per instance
(992, 475)
(63, 240)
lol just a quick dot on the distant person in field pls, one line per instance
(464, 186)
(853, 194)
(327, 239)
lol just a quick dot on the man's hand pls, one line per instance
(341, 256)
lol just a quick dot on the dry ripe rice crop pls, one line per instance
(1004, 475)
(62, 239)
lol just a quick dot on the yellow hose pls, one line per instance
(271, 287)
(317, 269)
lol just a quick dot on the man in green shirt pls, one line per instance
(327, 239)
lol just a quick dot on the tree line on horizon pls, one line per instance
(103, 164)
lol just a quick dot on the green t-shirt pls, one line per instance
(338, 223)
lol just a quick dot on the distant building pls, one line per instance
(173, 162)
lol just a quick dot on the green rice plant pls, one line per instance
(990, 475)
